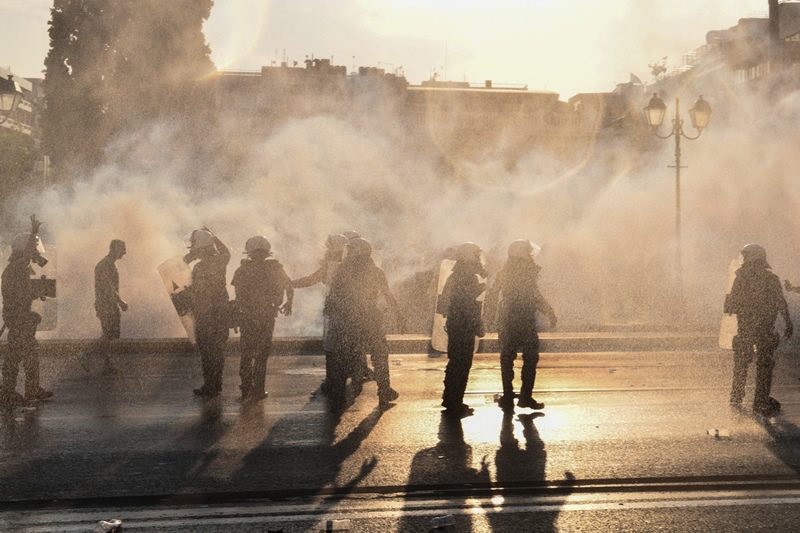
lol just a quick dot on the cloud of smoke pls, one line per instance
(607, 226)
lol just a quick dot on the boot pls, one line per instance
(531, 403)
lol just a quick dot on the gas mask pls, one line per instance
(38, 258)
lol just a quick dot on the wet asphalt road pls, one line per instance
(627, 441)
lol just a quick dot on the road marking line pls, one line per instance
(37, 521)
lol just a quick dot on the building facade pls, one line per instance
(22, 162)
(26, 118)
(759, 56)
(458, 122)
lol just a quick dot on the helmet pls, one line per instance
(20, 243)
(351, 234)
(359, 247)
(201, 238)
(523, 248)
(754, 252)
(257, 243)
(469, 251)
(336, 242)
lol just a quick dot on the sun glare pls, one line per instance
(235, 29)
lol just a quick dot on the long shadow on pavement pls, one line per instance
(310, 467)
(784, 438)
(515, 465)
(107, 456)
(448, 463)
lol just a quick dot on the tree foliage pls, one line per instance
(17, 155)
(115, 63)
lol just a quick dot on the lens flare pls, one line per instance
(235, 29)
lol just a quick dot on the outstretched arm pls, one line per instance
(286, 308)
(309, 281)
(791, 288)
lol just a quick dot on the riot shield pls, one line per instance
(728, 325)
(177, 278)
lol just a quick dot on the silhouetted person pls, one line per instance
(756, 299)
(361, 370)
(260, 285)
(108, 305)
(334, 251)
(352, 305)
(209, 303)
(18, 293)
(519, 301)
(462, 312)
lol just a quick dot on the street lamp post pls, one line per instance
(10, 97)
(699, 115)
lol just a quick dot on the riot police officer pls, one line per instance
(462, 312)
(756, 299)
(260, 284)
(18, 294)
(520, 299)
(209, 304)
(352, 306)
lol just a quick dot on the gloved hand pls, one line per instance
(35, 225)
(286, 309)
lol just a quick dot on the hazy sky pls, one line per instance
(567, 46)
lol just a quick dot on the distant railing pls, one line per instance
(240, 72)
(506, 86)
